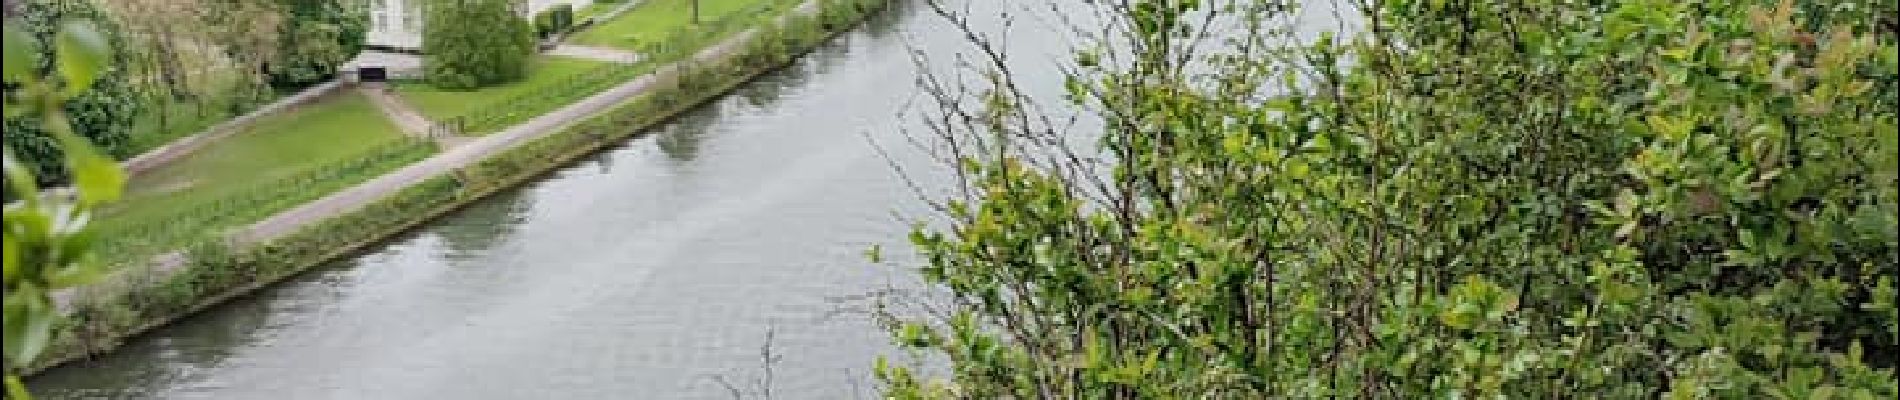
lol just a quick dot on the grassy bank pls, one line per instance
(439, 104)
(214, 273)
(283, 160)
(655, 22)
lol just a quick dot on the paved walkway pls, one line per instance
(595, 53)
(399, 111)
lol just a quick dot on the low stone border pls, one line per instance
(182, 147)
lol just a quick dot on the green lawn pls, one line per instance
(593, 10)
(545, 73)
(158, 125)
(552, 82)
(283, 160)
(655, 20)
(162, 120)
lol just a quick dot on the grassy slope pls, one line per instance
(221, 101)
(339, 127)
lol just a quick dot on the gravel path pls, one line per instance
(400, 112)
(595, 53)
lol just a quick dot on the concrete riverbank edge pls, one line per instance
(212, 274)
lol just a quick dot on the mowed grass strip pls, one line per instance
(550, 84)
(649, 23)
(283, 160)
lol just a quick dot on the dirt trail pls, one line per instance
(595, 53)
(405, 116)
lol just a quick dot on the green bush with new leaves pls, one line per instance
(1460, 199)
(475, 43)
(102, 114)
(320, 36)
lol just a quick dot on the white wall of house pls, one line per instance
(397, 24)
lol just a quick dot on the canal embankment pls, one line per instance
(336, 225)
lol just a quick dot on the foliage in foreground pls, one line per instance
(47, 239)
(102, 113)
(1622, 198)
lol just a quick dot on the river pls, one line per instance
(657, 269)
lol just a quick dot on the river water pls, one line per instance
(657, 269)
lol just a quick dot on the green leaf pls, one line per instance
(29, 324)
(19, 179)
(79, 273)
(17, 390)
(10, 252)
(875, 253)
(20, 56)
(98, 178)
(82, 54)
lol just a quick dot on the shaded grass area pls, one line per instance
(549, 81)
(162, 120)
(160, 124)
(283, 160)
(655, 21)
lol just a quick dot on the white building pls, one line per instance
(396, 25)
(394, 42)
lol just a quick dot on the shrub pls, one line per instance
(474, 43)
(1471, 199)
(102, 114)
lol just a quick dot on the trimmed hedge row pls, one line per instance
(215, 272)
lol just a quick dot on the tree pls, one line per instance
(101, 114)
(320, 35)
(1623, 198)
(473, 43)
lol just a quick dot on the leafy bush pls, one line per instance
(1473, 199)
(102, 114)
(319, 36)
(473, 43)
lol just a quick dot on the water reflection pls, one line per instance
(681, 139)
(482, 225)
(882, 25)
(185, 353)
